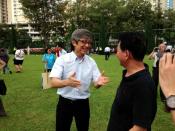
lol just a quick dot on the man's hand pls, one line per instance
(72, 81)
(167, 74)
(102, 80)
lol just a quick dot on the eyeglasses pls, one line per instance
(85, 42)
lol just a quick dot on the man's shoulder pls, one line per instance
(66, 57)
(89, 58)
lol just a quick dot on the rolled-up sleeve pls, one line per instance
(95, 73)
(58, 68)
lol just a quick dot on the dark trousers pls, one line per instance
(155, 76)
(67, 109)
(2, 110)
(6, 68)
(107, 54)
(49, 70)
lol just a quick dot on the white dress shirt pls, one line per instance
(19, 54)
(107, 49)
(86, 71)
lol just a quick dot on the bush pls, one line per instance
(35, 50)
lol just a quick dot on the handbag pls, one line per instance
(45, 80)
(3, 88)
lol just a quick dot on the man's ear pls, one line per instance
(74, 42)
(128, 54)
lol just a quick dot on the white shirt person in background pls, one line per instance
(72, 74)
(18, 60)
(107, 51)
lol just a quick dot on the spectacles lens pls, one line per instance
(86, 42)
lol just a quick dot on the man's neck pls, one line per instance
(79, 55)
(133, 67)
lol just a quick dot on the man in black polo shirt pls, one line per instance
(134, 107)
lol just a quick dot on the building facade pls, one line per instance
(16, 17)
(164, 4)
(170, 4)
(3, 11)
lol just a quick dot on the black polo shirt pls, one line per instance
(135, 102)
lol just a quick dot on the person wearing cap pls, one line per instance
(72, 74)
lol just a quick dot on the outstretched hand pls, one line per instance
(72, 81)
(102, 80)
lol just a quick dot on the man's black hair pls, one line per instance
(135, 43)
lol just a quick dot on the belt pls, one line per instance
(71, 101)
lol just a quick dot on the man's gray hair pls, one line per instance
(81, 33)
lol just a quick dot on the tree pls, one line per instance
(134, 15)
(23, 39)
(47, 15)
(169, 18)
(4, 37)
(169, 25)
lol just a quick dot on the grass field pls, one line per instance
(30, 108)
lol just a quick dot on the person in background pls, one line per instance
(72, 74)
(173, 51)
(57, 51)
(156, 54)
(107, 51)
(2, 64)
(19, 59)
(49, 59)
(61, 50)
(5, 57)
(2, 110)
(134, 106)
(167, 80)
(45, 63)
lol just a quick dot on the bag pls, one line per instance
(46, 80)
(3, 88)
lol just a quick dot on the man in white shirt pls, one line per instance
(18, 60)
(72, 74)
(107, 52)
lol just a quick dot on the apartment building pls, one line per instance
(0, 11)
(17, 15)
(3, 11)
(11, 13)
(164, 4)
(171, 4)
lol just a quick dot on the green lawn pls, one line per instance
(30, 108)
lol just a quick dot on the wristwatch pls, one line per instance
(170, 101)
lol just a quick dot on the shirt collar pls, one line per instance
(74, 56)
